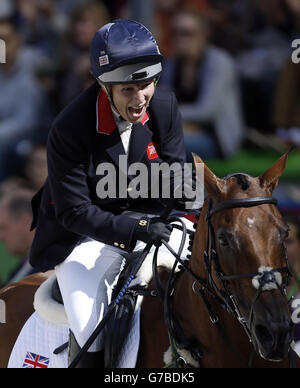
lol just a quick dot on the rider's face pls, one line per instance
(131, 100)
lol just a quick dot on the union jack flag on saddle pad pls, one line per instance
(35, 361)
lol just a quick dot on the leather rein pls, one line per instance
(222, 295)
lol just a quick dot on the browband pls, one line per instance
(243, 202)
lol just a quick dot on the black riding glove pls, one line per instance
(152, 231)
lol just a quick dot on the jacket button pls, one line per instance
(143, 223)
(116, 244)
(122, 246)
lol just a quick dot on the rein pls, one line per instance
(211, 258)
(264, 278)
(222, 296)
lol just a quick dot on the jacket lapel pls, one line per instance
(114, 148)
(141, 136)
(106, 127)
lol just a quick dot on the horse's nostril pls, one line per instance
(264, 336)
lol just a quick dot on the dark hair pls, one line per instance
(10, 20)
(19, 203)
(98, 9)
(202, 21)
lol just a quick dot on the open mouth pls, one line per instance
(136, 112)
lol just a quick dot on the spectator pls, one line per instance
(293, 251)
(85, 21)
(41, 24)
(12, 184)
(286, 117)
(6, 188)
(265, 28)
(205, 82)
(68, 6)
(6, 9)
(34, 174)
(165, 11)
(21, 99)
(287, 104)
(294, 7)
(36, 167)
(15, 221)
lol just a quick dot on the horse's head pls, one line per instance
(247, 232)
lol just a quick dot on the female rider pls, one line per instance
(120, 120)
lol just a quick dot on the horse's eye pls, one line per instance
(285, 233)
(223, 240)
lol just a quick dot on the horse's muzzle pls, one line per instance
(272, 328)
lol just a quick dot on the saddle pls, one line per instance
(55, 293)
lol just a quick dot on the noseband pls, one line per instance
(265, 278)
(262, 280)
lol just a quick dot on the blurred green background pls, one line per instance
(255, 163)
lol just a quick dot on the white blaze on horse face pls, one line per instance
(250, 222)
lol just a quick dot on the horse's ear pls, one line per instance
(212, 183)
(270, 178)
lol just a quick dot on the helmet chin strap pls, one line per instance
(108, 91)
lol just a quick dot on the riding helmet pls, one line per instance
(124, 51)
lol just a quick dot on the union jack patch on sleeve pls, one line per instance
(35, 361)
(151, 151)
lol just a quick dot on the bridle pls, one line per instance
(264, 277)
(223, 295)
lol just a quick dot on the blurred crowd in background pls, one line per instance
(228, 62)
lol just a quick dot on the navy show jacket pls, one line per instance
(83, 137)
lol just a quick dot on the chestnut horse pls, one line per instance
(18, 299)
(231, 291)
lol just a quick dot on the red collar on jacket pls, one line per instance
(105, 119)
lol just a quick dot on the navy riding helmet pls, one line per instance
(124, 51)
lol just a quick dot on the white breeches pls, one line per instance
(87, 277)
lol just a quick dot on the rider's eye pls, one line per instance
(144, 86)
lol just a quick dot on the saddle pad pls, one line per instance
(296, 348)
(39, 338)
(37, 341)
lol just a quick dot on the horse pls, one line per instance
(18, 301)
(228, 306)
